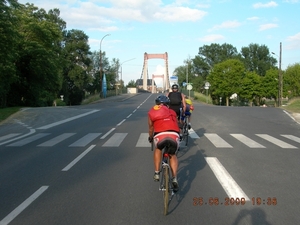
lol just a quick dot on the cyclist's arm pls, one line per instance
(183, 102)
(151, 128)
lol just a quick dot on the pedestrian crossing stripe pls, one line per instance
(29, 139)
(56, 140)
(275, 141)
(247, 141)
(217, 141)
(8, 136)
(116, 139)
(291, 137)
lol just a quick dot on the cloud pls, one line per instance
(253, 18)
(212, 38)
(171, 13)
(291, 1)
(267, 5)
(226, 25)
(267, 26)
(293, 42)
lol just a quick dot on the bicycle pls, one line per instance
(185, 130)
(165, 184)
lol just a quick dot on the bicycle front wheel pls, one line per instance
(166, 189)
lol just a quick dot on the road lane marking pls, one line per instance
(217, 141)
(23, 206)
(66, 120)
(275, 141)
(115, 140)
(9, 136)
(291, 137)
(120, 122)
(193, 134)
(247, 141)
(143, 141)
(71, 164)
(82, 142)
(56, 140)
(229, 185)
(32, 131)
(105, 135)
(29, 139)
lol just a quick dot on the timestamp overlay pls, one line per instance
(227, 201)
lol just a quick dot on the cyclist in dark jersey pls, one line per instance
(177, 103)
(177, 100)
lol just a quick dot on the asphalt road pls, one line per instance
(93, 165)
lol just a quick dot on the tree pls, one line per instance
(291, 80)
(225, 78)
(77, 67)
(257, 59)
(269, 84)
(131, 83)
(38, 65)
(251, 87)
(8, 45)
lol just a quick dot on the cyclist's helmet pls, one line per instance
(162, 99)
(175, 86)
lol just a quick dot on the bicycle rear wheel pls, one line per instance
(166, 189)
(185, 134)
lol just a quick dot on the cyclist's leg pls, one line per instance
(156, 158)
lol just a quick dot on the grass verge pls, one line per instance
(7, 112)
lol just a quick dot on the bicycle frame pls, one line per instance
(165, 181)
(185, 129)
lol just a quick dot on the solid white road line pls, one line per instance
(229, 185)
(78, 158)
(23, 206)
(66, 120)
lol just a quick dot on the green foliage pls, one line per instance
(131, 83)
(6, 112)
(291, 81)
(225, 78)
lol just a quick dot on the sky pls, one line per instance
(129, 28)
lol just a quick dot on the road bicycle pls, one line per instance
(165, 179)
(185, 130)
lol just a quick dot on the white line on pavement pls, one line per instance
(78, 158)
(66, 120)
(23, 206)
(232, 189)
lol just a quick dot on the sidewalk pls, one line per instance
(296, 117)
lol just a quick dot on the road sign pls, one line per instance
(189, 87)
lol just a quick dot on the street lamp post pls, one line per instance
(122, 72)
(100, 63)
(280, 80)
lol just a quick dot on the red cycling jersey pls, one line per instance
(163, 118)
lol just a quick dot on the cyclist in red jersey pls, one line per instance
(164, 131)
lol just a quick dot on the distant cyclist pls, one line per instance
(164, 131)
(177, 103)
(177, 100)
(188, 111)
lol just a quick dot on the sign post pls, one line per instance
(206, 86)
